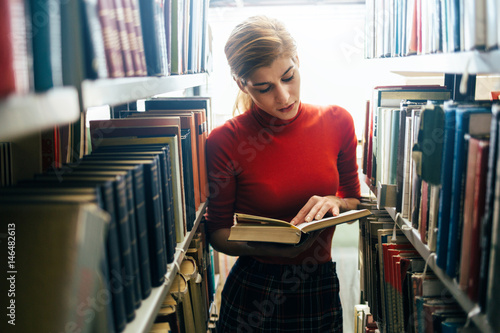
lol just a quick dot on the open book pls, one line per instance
(252, 228)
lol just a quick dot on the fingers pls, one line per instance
(316, 208)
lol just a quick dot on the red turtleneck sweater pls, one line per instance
(261, 165)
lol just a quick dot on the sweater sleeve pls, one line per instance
(347, 165)
(221, 179)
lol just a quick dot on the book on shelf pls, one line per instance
(180, 292)
(46, 46)
(15, 59)
(65, 280)
(189, 269)
(143, 131)
(472, 119)
(492, 225)
(161, 248)
(397, 29)
(184, 103)
(153, 30)
(389, 107)
(111, 38)
(161, 328)
(254, 228)
(117, 205)
(473, 206)
(168, 313)
(201, 132)
(123, 37)
(188, 122)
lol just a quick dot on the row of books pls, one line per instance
(48, 44)
(148, 175)
(402, 28)
(186, 308)
(399, 293)
(442, 167)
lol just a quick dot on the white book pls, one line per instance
(406, 199)
(474, 27)
(492, 26)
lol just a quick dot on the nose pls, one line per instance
(281, 94)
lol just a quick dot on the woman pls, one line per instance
(284, 159)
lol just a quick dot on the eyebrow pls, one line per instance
(264, 83)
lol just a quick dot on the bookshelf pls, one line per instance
(439, 41)
(26, 113)
(146, 314)
(22, 115)
(450, 65)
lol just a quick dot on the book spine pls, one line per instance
(138, 35)
(16, 56)
(119, 14)
(445, 195)
(114, 261)
(151, 48)
(142, 231)
(111, 39)
(96, 66)
(487, 220)
(132, 37)
(8, 83)
(156, 238)
(188, 179)
(134, 247)
(477, 216)
(169, 206)
(466, 242)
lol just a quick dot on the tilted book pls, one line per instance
(252, 228)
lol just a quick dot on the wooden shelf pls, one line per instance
(467, 305)
(472, 62)
(22, 115)
(124, 90)
(146, 313)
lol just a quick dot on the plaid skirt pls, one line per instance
(259, 297)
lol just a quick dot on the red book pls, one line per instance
(477, 217)
(112, 47)
(138, 35)
(14, 63)
(132, 37)
(119, 14)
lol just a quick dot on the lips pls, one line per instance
(287, 108)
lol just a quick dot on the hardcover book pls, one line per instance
(252, 228)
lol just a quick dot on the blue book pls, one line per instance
(473, 120)
(445, 194)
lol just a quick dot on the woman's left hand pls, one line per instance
(317, 207)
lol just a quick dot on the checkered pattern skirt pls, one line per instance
(259, 297)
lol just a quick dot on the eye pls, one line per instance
(288, 79)
(263, 91)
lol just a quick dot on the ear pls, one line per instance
(241, 86)
(297, 61)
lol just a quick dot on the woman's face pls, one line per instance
(276, 89)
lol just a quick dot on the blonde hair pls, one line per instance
(256, 42)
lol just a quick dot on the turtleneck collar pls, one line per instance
(265, 119)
